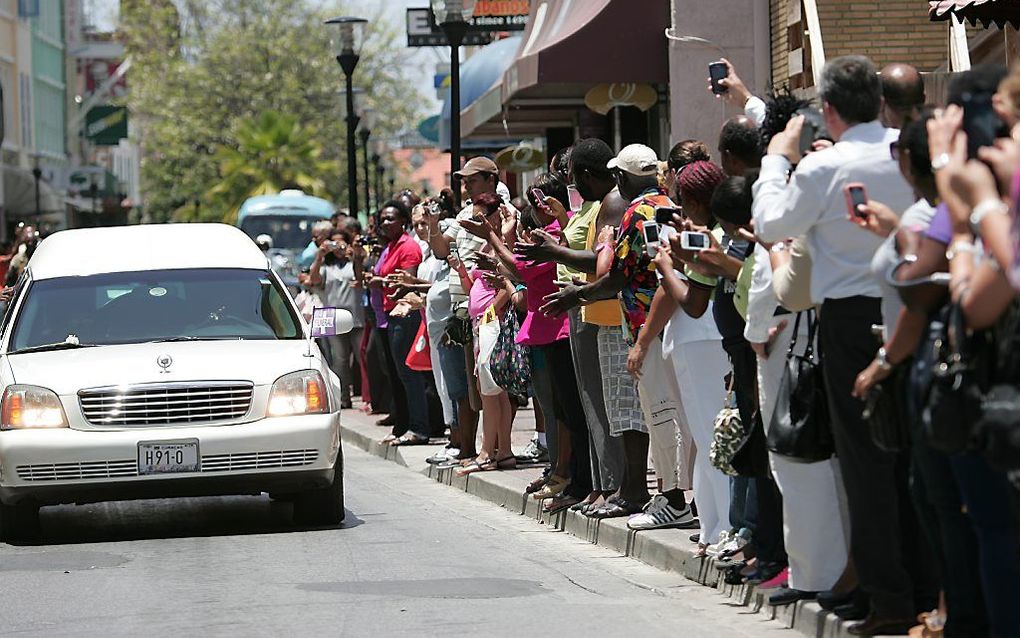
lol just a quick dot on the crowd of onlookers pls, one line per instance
(813, 334)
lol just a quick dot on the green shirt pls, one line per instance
(706, 280)
(576, 234)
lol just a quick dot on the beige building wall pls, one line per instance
(735, 29)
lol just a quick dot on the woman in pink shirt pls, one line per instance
(497, 413)
(553, 378)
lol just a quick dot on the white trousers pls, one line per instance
(437, 374)
(814, 519)
(669, 437)
(700, 368)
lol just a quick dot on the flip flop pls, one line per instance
(410, 439)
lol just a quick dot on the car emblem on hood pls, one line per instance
(164, 361)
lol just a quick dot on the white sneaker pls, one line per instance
(717, 547)
(736, 542)
(660, 514)
(444, 455)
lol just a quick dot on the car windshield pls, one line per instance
(135, 307)
(288, 231)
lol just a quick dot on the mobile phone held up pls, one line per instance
(812, 130)
(980, 122)
(539, 197)
(856, 196)
(664, 215)
(651, 232)
(690, 240)
(718, 71)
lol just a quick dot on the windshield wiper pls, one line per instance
(190, 338)
(62, 345)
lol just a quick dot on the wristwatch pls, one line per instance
(940, 161)
(882, 357)
(990, 205)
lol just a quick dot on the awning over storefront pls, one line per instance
(568, 47)
(985, 12)
(590, 42)
(479, 74)
(19, 195)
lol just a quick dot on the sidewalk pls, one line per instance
(667, 549)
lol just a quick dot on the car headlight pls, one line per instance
(29, 406)
(302, 392)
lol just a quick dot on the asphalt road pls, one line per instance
(413, 558)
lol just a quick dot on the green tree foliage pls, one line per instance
(241, 96)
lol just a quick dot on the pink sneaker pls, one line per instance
(780, 580)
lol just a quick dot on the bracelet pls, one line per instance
(990, 205)
(961, 246)
(960, 281)
(882, 358)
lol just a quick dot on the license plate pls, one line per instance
(168, 457)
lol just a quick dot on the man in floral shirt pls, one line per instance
(632, 278)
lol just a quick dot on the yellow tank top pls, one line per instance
(601, 313)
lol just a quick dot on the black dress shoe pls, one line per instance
(876, 625)
(788, 596)
(851, 611)
(829, 600)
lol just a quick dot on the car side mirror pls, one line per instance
(330, 322)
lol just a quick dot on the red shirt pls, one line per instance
(404, 254)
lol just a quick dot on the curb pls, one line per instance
(668, 550)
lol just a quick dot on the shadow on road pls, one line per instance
(171, 518)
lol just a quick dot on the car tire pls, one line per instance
(324, 506)
(19, 522)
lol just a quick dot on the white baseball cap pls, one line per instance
(636, 159)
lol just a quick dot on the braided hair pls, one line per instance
(698, 181)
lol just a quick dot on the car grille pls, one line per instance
(166, 403)
(258, 460)
(73, 471)
(128, 468)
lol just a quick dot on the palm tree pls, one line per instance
(271, 153)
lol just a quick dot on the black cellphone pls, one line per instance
(813, 129)
(980, 122)
(664, 215)
(718, 71)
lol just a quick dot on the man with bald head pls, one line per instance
(902, 94)
(739, 145)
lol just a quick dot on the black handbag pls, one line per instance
(885, 411)
(800, 427)
(752, 458)
(996, 434)
(960, 377)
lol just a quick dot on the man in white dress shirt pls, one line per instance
(884, 542)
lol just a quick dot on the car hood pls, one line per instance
(67, 371)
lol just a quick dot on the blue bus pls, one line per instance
(287, 218)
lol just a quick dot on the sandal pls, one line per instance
(560, 503)
(410, 439)
(389, 439)
(555, 485)
(618, 509)
(536, 485)
(508, 463)
(484, 465)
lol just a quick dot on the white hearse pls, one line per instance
(162, 361)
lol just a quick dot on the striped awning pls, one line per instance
(985, 12)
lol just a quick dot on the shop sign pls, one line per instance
(106, 125)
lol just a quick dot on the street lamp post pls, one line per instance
(377, 165)
(452, 16)
(365, 132)
(347, 47)
(37, 175)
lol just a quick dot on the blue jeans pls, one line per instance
(401, 332)
(987, 493)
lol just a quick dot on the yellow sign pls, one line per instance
(604, 97)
